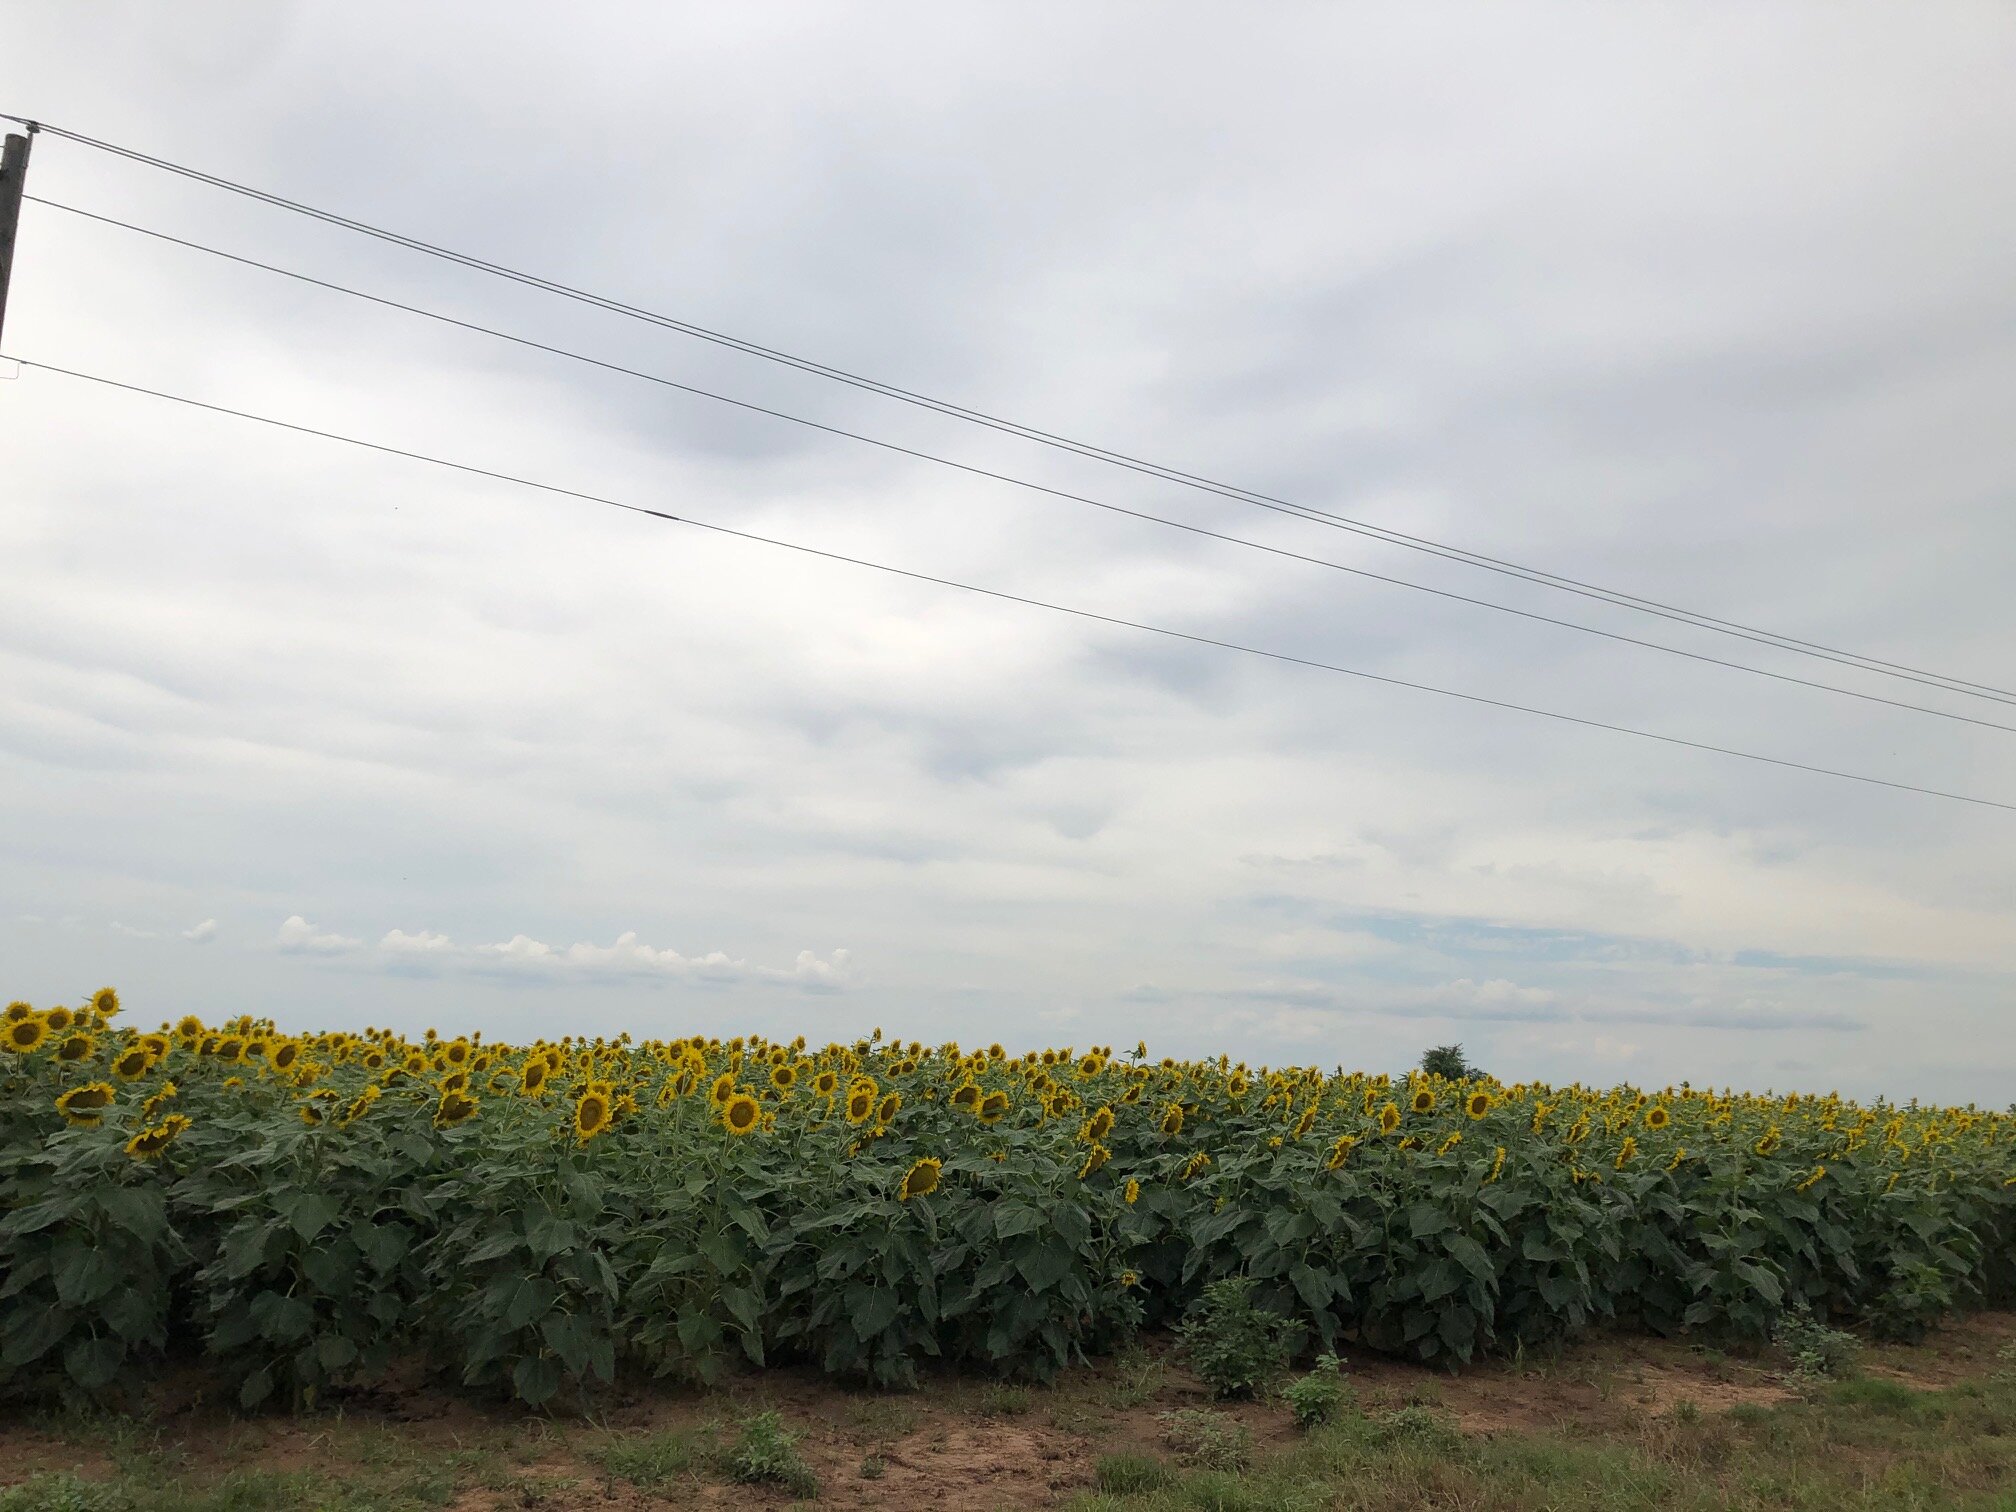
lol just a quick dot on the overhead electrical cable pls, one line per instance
(1007, 597)
(983, 472)
(1047, 438)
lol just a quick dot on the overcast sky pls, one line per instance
(1711, 305)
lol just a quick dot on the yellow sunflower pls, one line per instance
(105, 1001)
(1132, 1192)
(1424, 1100)
(1098, 1157)
(1172, 1119)
(826, 1083)
(591, 1116)
(1477, 1104)
(967, 1098)
(455, 1107)
(741, 1113)
(1306, 1122)
(993, 1107)
(16, 1010)
(284, 1055)
(58, 1019)
(78, 1047)
(1657, 1117)
(25, 1035)
(133, 1065)
(1389, 1118)
(722, 1090)
(85, 1106)
(860, 1103)
(783, 1078)
(149, 1143)
(189, 1027)
(1340, 1151)
(151, 1109)
(919, 1179)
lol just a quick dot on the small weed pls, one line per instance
(1816, 1352)
(1417, 1426)
(872, 1467)
(646, 1460)
(767, 1453)
(1132, 1475)
(1316, 1397)
(1234, 1346)
(63, 1493)
(1003, 1401)
(1207, 1440)
(1687, 1410)
(881, 1418)
(1138, 1378)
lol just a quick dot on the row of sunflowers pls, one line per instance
(301, 1210)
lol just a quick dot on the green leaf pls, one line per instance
(258, 1386)
(308, 1213)
(1423, 1220)
(1012, 1218)
(871, 1310)
(93, 1363)
(1043, 1265)
(536, 1378)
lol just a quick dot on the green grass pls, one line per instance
(1856, 1446)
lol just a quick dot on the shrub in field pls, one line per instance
(1233, 1345)
(767, 1453)
(1816, 1352)
(542, 1220)
(1207, 1440)
(1315, 1398)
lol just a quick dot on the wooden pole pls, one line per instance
(13, 176)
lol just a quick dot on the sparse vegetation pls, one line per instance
(1234, 1346)
(1316, 1397)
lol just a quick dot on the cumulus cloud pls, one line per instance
(298, 937)
(627, 958)
(201, 933)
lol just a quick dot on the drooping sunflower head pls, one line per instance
(1099, 1125)
(1098, 1157)
(1478, 1103)
(1340, 1152)
(1172, 1119)
(75, 1048)
(741, 1113)
(149, 1143)
(1306, 1122)
(532, 1080)
(455, 1107)
(85, 1106)
(1132, 1192)
(25, 1035)
(591, 1116)
(284, 1055)
(885, 1111)
(1423, 1101)
(151, 1108)
(1389, 1118)
(993, 1107)
(919, 1179)
(966, 1098)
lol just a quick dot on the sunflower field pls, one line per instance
(296, 1213)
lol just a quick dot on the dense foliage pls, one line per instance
(301, 1211)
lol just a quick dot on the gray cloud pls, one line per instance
(1437, 271)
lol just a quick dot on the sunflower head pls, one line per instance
(133, 1064)
(1340, 1151)
(1099, 1125)
(1423, 1101)
(860, 1103)
(285, 1054)
(1098, 1157)
(24, 1035)
(722, 1090)
(919, 1179)
(885, 1111)
(1172, 1119)
(85, 1106)
(993, 1107)
(1132, 1192)
(1477, 1104)
(149, 1143)
(783, 1078)
(105, 1001)
(455, 1107)
(189, 1027)
(826, 1083)
(591, 1116)
(741, 1113)
(1656, 1117)
(58, 1019)
(16, 1010)
(1389, 1118)
(967, 1098)
(1306, 1122)
(77, 1047)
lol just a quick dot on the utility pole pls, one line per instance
(13, 176)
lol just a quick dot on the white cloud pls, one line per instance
(297, 936)
(425, 942)
(202, 933)
(134, 934)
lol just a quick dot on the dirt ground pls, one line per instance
(957, 1445)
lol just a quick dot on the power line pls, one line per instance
(1047, 438)
(983, 472)
(1006, 597)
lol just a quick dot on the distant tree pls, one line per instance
(1447, 1061)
